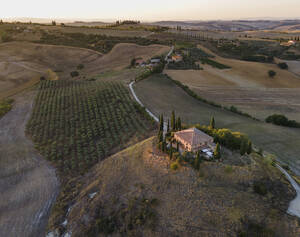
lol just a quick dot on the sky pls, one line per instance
(151, 10)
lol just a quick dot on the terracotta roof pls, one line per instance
(193, 136)
(177, 56)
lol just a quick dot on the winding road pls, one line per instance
(294, 207)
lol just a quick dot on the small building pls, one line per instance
(155, 60)
(288, 44)
(194, 140)
(139, 62)
(176, 58)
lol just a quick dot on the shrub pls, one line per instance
(80, 66)
(6, 38)
(251, 228)
(159, 68)
(132, 62)
(283, 65)
(281, 120)
(74, 74)
(228, 169)
(272, 73)
(217, 152)
(286, 167)
(231, 140)
(260, 188)
(106, 225)
(174, 166)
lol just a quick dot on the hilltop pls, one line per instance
(134, 192)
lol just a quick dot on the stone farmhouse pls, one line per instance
(194, 140)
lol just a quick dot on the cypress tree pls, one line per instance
(168, 126)
(164, 148)
(212, 123)
(160, 136)
(171, 153)
(159, 122)
(197, 161)
(173, 120)
(217, 152)
(161, 125)
(178, 123)
(249, 147)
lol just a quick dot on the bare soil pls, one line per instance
(28, 184)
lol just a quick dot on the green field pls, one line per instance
(161, 95)
(75, 124)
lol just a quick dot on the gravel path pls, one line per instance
(28, 185)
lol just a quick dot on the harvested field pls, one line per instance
(185, 202)
(294, 66)
(253, 74)
(281, 141)
(247, 86)
(260, 103)
(28, 184)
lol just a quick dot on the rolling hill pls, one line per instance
(135, 193)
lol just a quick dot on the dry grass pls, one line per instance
(187, 205)
(247, 86)
(294, 67)
(22, 64)
(252, 74)
(121, 55)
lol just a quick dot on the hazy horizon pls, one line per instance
(189, 10)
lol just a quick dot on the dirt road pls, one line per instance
(28, 185)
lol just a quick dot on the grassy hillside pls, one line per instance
(283, 142)
(75, 124)
(254, 73)
(135, 193)
(22, 64)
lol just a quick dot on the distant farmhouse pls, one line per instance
(176, 58)
(194, 140)
(289, 43)
(140, 62)
(155, 60)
